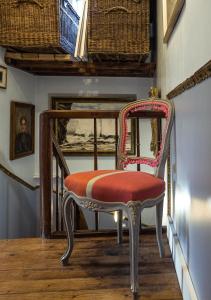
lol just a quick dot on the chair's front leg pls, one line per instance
(119, 227)
(67, 210)
(159, 216)
(134, 216)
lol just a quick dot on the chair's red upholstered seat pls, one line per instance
(115, 185)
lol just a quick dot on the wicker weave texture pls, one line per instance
(33, 25)
(118, 27)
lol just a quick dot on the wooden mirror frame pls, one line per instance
(171, 12)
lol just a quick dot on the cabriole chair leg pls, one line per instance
(67, 209)
(159, 216)
(134, 216)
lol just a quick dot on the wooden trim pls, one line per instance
(95, 145)
(38, 57)
(102, 114)
(58, 154)
(61, 65)
(102, 98)
(46, 172)
(18, 179)
(199, 76)
(3, 82)
(169, 22)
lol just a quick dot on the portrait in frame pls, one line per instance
(3, 77)
(171, 12)
(76, 136)
(21, 129)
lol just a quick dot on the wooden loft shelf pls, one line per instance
(63, 65)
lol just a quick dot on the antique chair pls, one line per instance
(121, 190)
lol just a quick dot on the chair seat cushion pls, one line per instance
(115, 185)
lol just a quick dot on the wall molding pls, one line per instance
(200, 75)
(17, 178)
(183, 275)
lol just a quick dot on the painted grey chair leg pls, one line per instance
(74, 216)
(159, 216)
(134, 216)
(119, 227)
(67, 209)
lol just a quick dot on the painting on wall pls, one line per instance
(171, 12)
(21, 129)
(76, 136)
(3, 77)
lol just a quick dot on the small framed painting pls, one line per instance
(171, 12)
(21, 129)
(3, 77)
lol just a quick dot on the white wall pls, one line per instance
(20, 87)
(189, 46)
(188, 49)
(19, 210)
(18, 206)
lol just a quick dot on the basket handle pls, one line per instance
(117, 8)
(37, 2)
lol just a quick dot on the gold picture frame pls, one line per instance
(171, 12)
(22, 126)
(3, 77)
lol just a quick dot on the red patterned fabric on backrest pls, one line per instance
(156, 105)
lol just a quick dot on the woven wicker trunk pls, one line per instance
(38, 25)
(119, 29)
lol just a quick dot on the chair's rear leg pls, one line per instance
(119, 227)
(67, 210)
(159, 216)
(74, 217)
(134, 216)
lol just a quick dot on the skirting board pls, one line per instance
(183, 275)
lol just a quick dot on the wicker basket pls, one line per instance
(38, 25)
(118, 29)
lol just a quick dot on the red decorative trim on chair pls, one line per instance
(150, 105)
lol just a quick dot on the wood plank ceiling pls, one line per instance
(62, 65)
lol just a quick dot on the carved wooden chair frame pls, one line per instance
(132, 209)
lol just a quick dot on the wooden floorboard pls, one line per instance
(99, 269)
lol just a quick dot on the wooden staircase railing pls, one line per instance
(51, 223)
(18, 179)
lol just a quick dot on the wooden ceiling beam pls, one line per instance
(18, 56)
(62, 64)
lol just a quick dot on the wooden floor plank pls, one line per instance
(108, 294)
(99, 269)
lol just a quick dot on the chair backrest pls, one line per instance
(145, 107)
